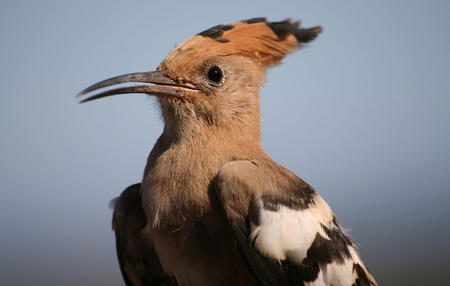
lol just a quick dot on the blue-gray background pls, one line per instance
(362, 114)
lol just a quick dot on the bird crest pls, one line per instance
(265, 42)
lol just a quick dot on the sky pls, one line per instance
(362, 114)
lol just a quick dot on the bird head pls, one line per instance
(213, 78)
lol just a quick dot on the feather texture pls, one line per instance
(265, 42)
(297, 233)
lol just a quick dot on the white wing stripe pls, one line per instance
(288, 233)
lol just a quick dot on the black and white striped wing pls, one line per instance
(285, 231)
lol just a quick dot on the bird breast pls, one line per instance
(177, 184)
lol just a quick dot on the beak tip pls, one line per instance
(81, 93)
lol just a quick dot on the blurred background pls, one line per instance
(362, 114)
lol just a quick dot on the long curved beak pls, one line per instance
(164, 86)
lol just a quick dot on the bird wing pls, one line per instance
(138, 260)
(285, 231)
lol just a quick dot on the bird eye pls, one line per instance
(215, 74)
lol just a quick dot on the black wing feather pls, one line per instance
(138, 260)
(267, 272)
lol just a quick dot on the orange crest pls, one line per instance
(265, 42)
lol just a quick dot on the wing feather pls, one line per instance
(138, 260)
(285, 231)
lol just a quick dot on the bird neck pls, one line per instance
(184, 167)
(187, 133)
(218, 138)
(186, 122)
(206, 143)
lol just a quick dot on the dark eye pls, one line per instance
(215, 74)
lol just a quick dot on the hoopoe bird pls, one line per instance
(213, 208)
